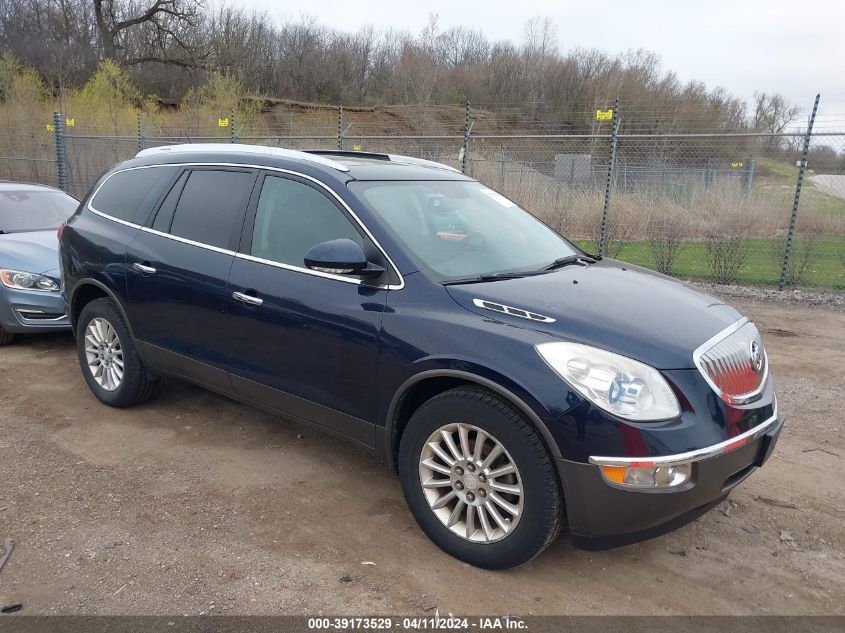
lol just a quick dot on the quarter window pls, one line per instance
(209, 204)
(122, 194)
(292, 217)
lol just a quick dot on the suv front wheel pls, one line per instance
(109, 362)
(479, 480)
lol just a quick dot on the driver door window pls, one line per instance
(292, 217)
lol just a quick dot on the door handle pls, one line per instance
(248, 299)
(146, 270)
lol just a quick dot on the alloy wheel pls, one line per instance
(104, 354)
(471, 483)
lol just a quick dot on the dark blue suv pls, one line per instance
(516, 383)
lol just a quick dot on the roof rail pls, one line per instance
(393, 158)
(410, 160)
(348, 153)
(240, 148)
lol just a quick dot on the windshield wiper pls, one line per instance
(560, 262)
(492, 277)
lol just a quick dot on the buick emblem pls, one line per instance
(756, 357)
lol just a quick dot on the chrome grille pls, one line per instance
(734, 363)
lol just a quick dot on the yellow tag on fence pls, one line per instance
(51, 127)
(356, 147)
(70, 122)
(222, 122)
(737, 164)
(604, 115)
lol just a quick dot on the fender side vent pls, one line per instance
(517, 312)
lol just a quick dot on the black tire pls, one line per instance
(540, 520)
(137, 385)
(5, 337)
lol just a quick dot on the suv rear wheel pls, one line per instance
(109, 362)
(478, 479)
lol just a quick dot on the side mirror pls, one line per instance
(341, 257)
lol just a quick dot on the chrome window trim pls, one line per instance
(741, 399)
(185, 240)
(315, 273)
(697, 455)
(246, 256)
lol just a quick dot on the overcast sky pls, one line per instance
(795, 48)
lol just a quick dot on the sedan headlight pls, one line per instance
(619, 385)
(27, 281)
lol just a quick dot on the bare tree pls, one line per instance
(171, 44)
(772, 114)
(160, 33)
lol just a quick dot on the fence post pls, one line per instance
(140, 134)
(340, 128)
(465, 151)
(614, 137)
(802, 167)
(233, 138)
(61, 174)
(748, 174)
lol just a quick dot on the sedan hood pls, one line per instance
(30, 251)
(614, 306)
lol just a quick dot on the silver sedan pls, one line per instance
(30, 293)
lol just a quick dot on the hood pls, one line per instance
(614, 306)
(30, 251)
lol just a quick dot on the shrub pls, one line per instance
(726, 255)
(666, 239)
(804, 253)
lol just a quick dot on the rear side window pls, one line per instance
(123, 195)
(209, 203)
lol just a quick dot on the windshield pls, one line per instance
(460, 229)
(34, 210)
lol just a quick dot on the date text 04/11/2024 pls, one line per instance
(436, 622)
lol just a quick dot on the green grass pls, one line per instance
(780, 177)
(762, 266)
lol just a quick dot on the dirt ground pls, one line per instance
(196, 504)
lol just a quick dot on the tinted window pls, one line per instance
(34, 210)
(209, 204)
(292, 217)
(122, 194)
(164, 217)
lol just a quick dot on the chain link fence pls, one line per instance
(722, 205)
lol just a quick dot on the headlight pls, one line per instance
(617, 384)
(27, 281)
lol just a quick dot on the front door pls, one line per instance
(301, 342)
(177, 269)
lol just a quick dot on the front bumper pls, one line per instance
(603, 515)
(31, 311)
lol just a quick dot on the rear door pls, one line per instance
(178, 267)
